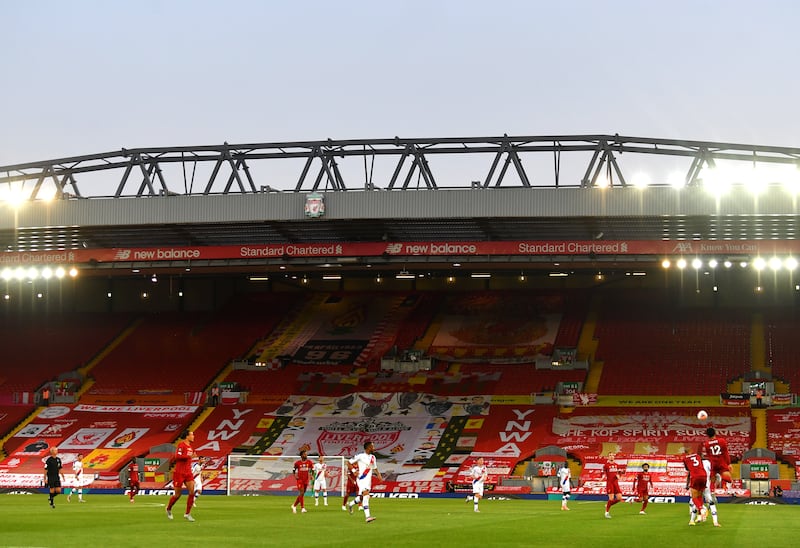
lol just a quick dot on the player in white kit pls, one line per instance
(78, 479)
(320, 480)
(479, 475)
(197, 473)
(564, 477)
(366, 464)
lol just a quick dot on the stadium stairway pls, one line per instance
(786, 471)
(760, 419)
(758, 347)
(587, 346)
(220, 377)
(201, 418)
(426, 341)
(85, 369)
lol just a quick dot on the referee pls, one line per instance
(53, 476)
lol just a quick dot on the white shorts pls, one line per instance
(364, 485)
(320, 484)
(81, 481)
(477, 488)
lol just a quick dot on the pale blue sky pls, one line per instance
(82, 76)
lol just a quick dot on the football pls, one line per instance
(702, 415)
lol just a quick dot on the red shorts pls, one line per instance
(719, 468)
(351, 487)
(698, 484)
(612, 487)
(179, 479)
(302, 485)
(643, 494)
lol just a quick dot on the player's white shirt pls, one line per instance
(709, 480)
(77, 471)
(564, 476)
(197, 472)
(320, 481)
(478, 474)
(366, 463)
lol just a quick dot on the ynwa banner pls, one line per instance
(512, 431)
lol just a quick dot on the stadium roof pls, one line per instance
(191, 201)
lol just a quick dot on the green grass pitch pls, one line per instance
(110, 520)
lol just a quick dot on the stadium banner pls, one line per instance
(590, 431)
(107, 436)
(273, 400)
(735, 400)
(509, 431)
(497, 466)
(421, 440)
(403, 249)
(101, 399)
(782, 399)
(497, 328)
(783, 427)
(580, 398)
(147, 410)
(703, 402)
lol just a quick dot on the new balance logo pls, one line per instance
(394, 248)
(682, 247)
(122, 255)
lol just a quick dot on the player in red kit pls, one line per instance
(352, 486)
(696, 483)
(133, 479)
(302, 469)
(642, 485)
(716, 451)
(182, 475)
(611, 470)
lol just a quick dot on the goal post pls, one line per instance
(256, 475)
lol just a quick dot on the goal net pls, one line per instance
(274, 475)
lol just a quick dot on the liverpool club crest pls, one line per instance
(315, 205)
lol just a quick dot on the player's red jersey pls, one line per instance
(611, 470)
(133, 474)
(697, 474)
(183, 459)
(352, 485)
(302, 468)
(716, 450)
(643, 482)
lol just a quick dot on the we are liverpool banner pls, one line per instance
(403, 249)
